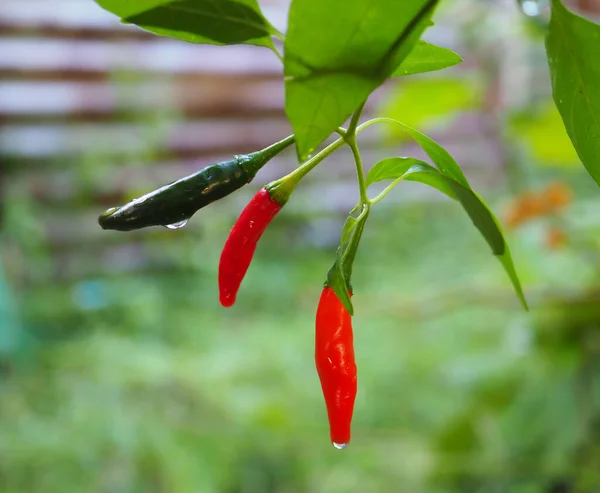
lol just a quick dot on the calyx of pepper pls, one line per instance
(340, 274)
(281, 190)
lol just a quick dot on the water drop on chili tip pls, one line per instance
(177, 225)
(340, 446)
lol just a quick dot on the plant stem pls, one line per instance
(278, 53)
(373, 121)
(350, 139)
(282, 188)
(386, 190)
(354, 120)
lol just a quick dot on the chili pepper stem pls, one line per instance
(255, 161)
(280, 190)
(350, 139)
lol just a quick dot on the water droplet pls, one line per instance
(340, 446)
(532, 8)
(177, 225)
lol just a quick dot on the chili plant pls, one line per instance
(334, 55)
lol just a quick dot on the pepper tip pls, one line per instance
(226, 300)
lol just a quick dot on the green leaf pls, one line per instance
(401, 169)
(336, 55)
(411, 169)
(573, 48)
(347, 229)
(338, 282)
(480, 215)
(220, 22)
(339, 276)
(426, 57)
(440, 156)
(390, 169)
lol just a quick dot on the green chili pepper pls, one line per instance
(176, 202)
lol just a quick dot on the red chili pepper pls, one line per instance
(334, 356)
(241, 244)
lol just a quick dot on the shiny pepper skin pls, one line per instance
(241, 244)
(334, 357)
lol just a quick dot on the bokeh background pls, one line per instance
(119, 370)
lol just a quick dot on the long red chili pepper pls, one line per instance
(241, 244)
(334, 356)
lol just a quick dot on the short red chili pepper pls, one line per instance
(334, 356)
(241, 244)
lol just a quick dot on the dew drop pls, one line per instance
(177, 225)
(340, 446)
(109, 212)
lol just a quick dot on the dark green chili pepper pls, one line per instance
(178, 201)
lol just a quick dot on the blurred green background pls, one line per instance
(119, 370)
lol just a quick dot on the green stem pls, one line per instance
(350, 139)
(354, 120)
(386, 190)
(364, 199)
(281, 189)
(373, 121)
(253, 162)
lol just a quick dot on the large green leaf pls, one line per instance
(426, 57)
(219, 22)
(573, 46)
(399, 169)
(336, 54)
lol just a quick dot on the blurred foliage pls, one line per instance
(423, 101)
(543, 132)
(142, 382)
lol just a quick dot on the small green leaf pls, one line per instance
(350, 249)
(426, 57)
(335, 56)
(480, 215)
(339, 276)
(337, 281)
(474, 206)
(573, 48)
(347, 229)
(487, 224)
(410, 169)
(440, 156)
(390, 169)
(219, 22)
